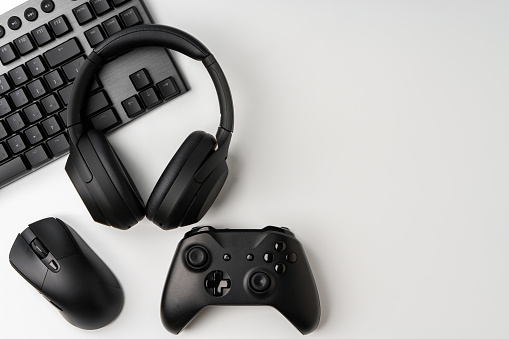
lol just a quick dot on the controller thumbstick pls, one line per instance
(259, 282)
(197, 257)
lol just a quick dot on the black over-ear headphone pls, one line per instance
(196, 173)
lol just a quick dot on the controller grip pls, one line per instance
(175, 315)
(305, 318)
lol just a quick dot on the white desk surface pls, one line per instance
(378, 131)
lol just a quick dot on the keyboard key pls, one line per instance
(63, 52)
(24, 44)
(36, 89)
(58, 145)
(83, 14)
(51, 126)
(119, 2)
(5, 86)
(54, 79)
(31, 14)
(34, 135)
(105, 120)
(19, 98)
(97, 102)
(37, 156)
(150, 97)
(131, 17)
(141, 79)
(94, 36)
(15, 122)
(3, 153)
(101, 6)
(72, 69)
(112, 26)
(18, 75)
(12, 170)
(36, 66)
(16, 144)
(42, 35)
(3, 131)
(7, 54)
(132, 106)
(65, 93)
(63, 116)
(32, 113)
(96, 84)
(60, 26)
(14, 23)
(47, 6)
(168, 88)
(50, 104)
(5, 107)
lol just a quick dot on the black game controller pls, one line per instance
(240, 267)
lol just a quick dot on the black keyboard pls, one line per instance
(43, 44)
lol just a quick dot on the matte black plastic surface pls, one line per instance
(101, 195)
(188, 289)
(84, 289)
(173, 194)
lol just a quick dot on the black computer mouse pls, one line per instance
(52, 257)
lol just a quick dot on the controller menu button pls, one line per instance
(280, 268)
(250, 257)
(259, 282)
(292, 257)
(268, 257)
(217, 283)
(227, 257)
(280, 246)
(197, 257)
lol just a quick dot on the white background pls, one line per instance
(376, 130)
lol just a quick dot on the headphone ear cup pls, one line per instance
(112, 198)
(207, 194)
(176, 188)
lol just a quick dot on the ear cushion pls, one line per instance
(173, 170)
(117, 173)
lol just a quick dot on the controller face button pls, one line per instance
(280, 246)
(259, 282)
(280, 268)
(217, 283)
(197, 257)
(250, 257)
(227, 257)
(292, 257)
(268, 257)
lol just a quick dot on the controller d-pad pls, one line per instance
(217, 283)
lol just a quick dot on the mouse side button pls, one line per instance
(26, 262)
(53, 235)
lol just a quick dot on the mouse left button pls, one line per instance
(27, 263)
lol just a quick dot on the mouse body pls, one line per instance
(54, 259)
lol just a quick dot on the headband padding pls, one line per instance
(173, 170)
(117, 173)
(152, 35)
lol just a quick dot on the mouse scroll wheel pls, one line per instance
(39, 249)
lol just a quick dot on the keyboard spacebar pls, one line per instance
(63, 52)
(11, 170)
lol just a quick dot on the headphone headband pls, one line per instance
(144, 36)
